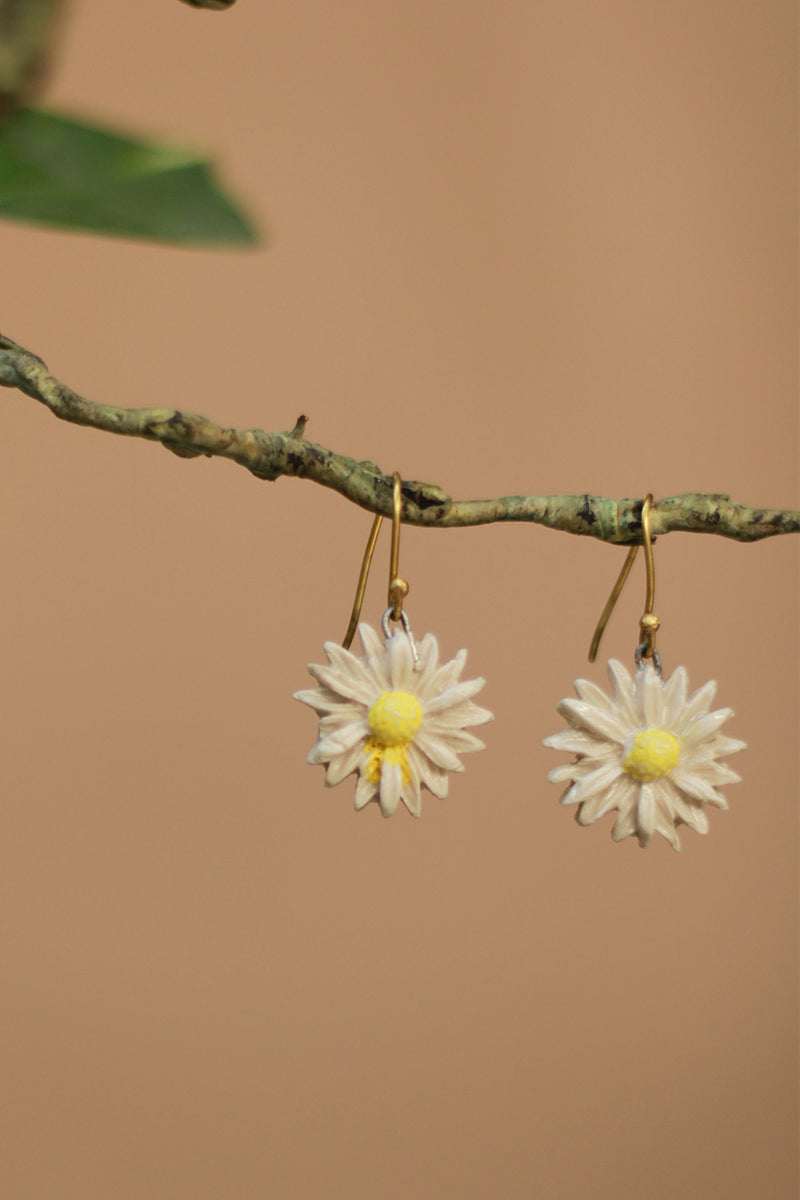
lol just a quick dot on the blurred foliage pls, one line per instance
(73, 175)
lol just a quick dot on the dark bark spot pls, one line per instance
(586, 512)
(295, 462)
(426, 498)
(634, 522)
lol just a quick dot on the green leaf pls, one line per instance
(56, 171)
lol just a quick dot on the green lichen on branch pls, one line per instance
(270, 455)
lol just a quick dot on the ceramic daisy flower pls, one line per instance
(650, 751)
(398, 725)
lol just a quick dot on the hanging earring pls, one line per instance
(651, 751)
(393, 716)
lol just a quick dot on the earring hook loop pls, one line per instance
(649, 623)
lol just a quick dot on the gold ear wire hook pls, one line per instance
(398, 588)
(611, 602)
(366, 563)
(648, 623)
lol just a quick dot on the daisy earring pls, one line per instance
(651, 751)
(393, 716)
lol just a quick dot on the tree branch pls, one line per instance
(270, 455)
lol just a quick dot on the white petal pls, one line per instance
(585, 716)
(568, 771)
(352, 689)
(699, 703)
(347, 666)
(627, 823)
(704, 728)
(365, 791)
(401, 663)
(443, 678)
(375, 660)
(458, 717)
(458, 739)
(391, 787)
(646, 814)
(574, 770)
(675, 689)
(372, 643)
(575, 741)
(670, 834)
(722, 746)
(456, 694)
(437, 750)
(699, 821)
(695, 787)
(596, 781)
(666, 828)
(428, 650)
(322, 700)
(712, 772)
(723, 774)
(648, 692)
(601, 802)
(339, 768)
(338, 743)
(622, 691)
(341, 659)
(685, 810)
(592, 694)
(411, 797)
(434, 778)
(695, 818)
(337, 720)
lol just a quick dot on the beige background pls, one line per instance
(516, 247)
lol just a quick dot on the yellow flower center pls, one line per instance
(650, 754)
(392, 756)
(394, 718)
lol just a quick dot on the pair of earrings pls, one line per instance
(399, 720)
